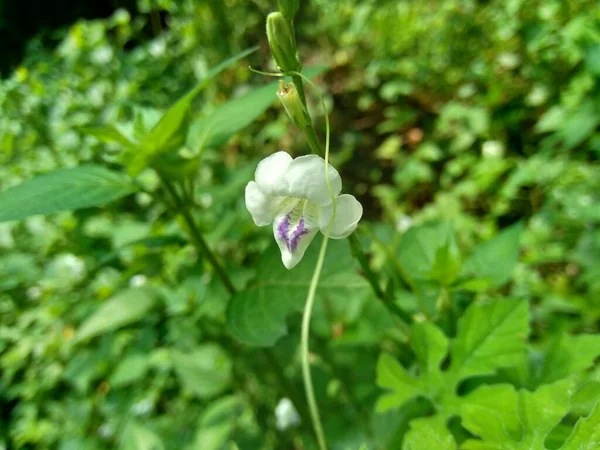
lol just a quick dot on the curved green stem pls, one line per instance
(310, 299)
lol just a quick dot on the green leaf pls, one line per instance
(391, 375)
(490, 335)
(490, 412)
(566, 356)
(131, 369)
(505, 419)
(218, 421)
(109, 134)
(429, 433)
(206, 370)
(63, 190)
(430, 345)
(257, 315)
(166, 130)
(419, 247)
(494, 260)
(586, 433)
(138, 437)
(125, 308)
(215, 129)
(171, 130)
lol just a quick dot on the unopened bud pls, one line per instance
(288, 8)
(295, 109)
(282, 43)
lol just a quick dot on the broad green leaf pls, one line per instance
(506, 419)
(215, 129)
(391, 375)
(566, 356)
(429, 433)
(138, 437)
(206, 370)
(490, 335)
(63, 190)
(494, 260)
(586, 433)
(125, 308)
(110, 134)
(257, 315)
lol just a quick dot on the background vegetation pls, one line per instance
(468, 130)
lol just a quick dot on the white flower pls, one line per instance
(286, 415)
(292, 195)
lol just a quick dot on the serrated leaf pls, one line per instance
(256, 316)
(505, 419)
(63, 190)
(125, 308)
(586, 433)
(566, 356)
(206, 370)
(431, 346)
(494, 260)
(391, 375)
(490, 335)
(429, 433)
(490, 412)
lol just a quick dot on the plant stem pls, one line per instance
(201, 245)
(308, 384)
(197, 237)
(385, 299)
(357, 250)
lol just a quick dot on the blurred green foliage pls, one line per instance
(468, 129)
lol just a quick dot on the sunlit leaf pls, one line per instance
(63, 190)
(125, 308)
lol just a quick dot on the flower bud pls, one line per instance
(281, 40)
(295, 109)
(288, 8)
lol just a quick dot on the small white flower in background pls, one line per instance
(33, 292)
(292, 194)
(286, 415)
(492, 149)
(70, 266)
(403, 223)
(138, 280)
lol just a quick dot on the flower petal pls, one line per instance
(294, 231)
(305, 178)
(348, 213)
(263, 208)
(270, 172)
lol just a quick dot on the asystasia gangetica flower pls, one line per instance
(292, 194)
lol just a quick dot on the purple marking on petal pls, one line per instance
(297, 234)
(291, 239)
(283, 229)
